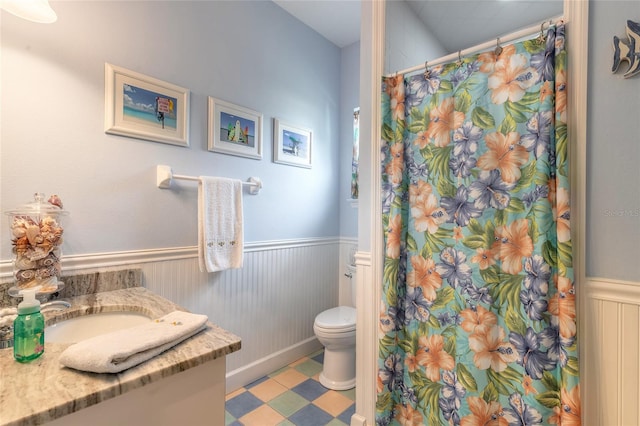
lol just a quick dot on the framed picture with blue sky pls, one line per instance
(143, 107)
(291, 144)
(234, 130)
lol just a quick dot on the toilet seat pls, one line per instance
(337, 320)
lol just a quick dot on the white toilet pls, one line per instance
(336, 329)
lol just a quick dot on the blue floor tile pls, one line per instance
(345, 416)
(310, 416)
(319, 358)
(310, 389)
(242, 404)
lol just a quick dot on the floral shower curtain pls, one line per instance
(478, 315)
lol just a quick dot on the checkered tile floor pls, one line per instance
(290, 396)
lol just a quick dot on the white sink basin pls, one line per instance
(76, 329)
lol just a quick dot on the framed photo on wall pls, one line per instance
(291, 144)
(143, 107)
(234, 130)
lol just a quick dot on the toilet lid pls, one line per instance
(340, 318)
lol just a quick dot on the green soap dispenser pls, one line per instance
(28, 328)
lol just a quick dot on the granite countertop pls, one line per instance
(44, 390)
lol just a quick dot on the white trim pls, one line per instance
(368, 294)
(349, 240)
(576, 13)
(627, 292)
(368, 264)
(113, 259)
(293, 243)
(358, 420)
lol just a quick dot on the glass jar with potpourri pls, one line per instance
(36, 239)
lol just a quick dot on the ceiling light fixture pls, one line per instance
(31, 10)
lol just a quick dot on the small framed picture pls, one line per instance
(144, 107)
(291, 144)
(234, 130)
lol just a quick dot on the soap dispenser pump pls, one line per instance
(28, 328)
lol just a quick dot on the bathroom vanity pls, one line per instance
(183, 385)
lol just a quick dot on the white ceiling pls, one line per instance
(457, 24)
(337, 20)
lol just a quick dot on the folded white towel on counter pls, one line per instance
(220, 224)
(116, 351)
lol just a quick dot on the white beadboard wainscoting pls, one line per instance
(271, 303)
(610, 354)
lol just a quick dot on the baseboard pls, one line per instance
(243, 376)
(358, 420)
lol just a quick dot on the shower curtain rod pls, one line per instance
(480, 47)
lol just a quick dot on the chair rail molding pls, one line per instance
(76, 262)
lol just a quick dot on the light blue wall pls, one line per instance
(613, 149)
(350, 99)
(251, 53)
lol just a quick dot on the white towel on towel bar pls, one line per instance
(220, 225)
(116, 351)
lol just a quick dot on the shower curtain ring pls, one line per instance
(459, 63)
(542, 38)
(427, 71)
(498, 50)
